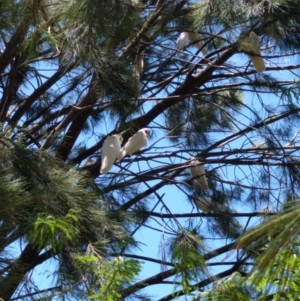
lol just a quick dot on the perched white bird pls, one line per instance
(251, 45)
(197, 40)
(110, 150)
(139, 63)
(187, 38)
(204, 204)
(198, 173)
(135, 143)
(182, 41)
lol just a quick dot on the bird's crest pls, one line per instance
(147, 131)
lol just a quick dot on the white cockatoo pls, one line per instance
(197, 40)
(205, 204)
(187, 38)
(135, 143)
(110, 150)
(198, 173)
(182, 41)
(251, 45)
(139, 63)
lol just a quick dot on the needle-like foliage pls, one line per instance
(69, 79)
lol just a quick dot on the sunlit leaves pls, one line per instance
(186, 254)
(277, 268)
(49, 206)
(233, 288)
(55, 231)
(112, 277)
(280, 276)
(281, 228)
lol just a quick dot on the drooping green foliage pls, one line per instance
(186, 252)
(51, 206)
(113, 277)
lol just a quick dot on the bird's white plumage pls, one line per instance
(204, 204)
(139, 64)
(135, 143)
(187, 38)
(110, 150)
(197, 40)
(251, 45)
(198, 173)
(182, 41)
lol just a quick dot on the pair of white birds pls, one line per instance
(249, 44)
(111, 149)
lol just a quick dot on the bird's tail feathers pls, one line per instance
(121, 155)
(204, 204)
(203, 182)
(103, 170)
(199, 45)
(258, 63)
(104, 166)
(204, 51)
